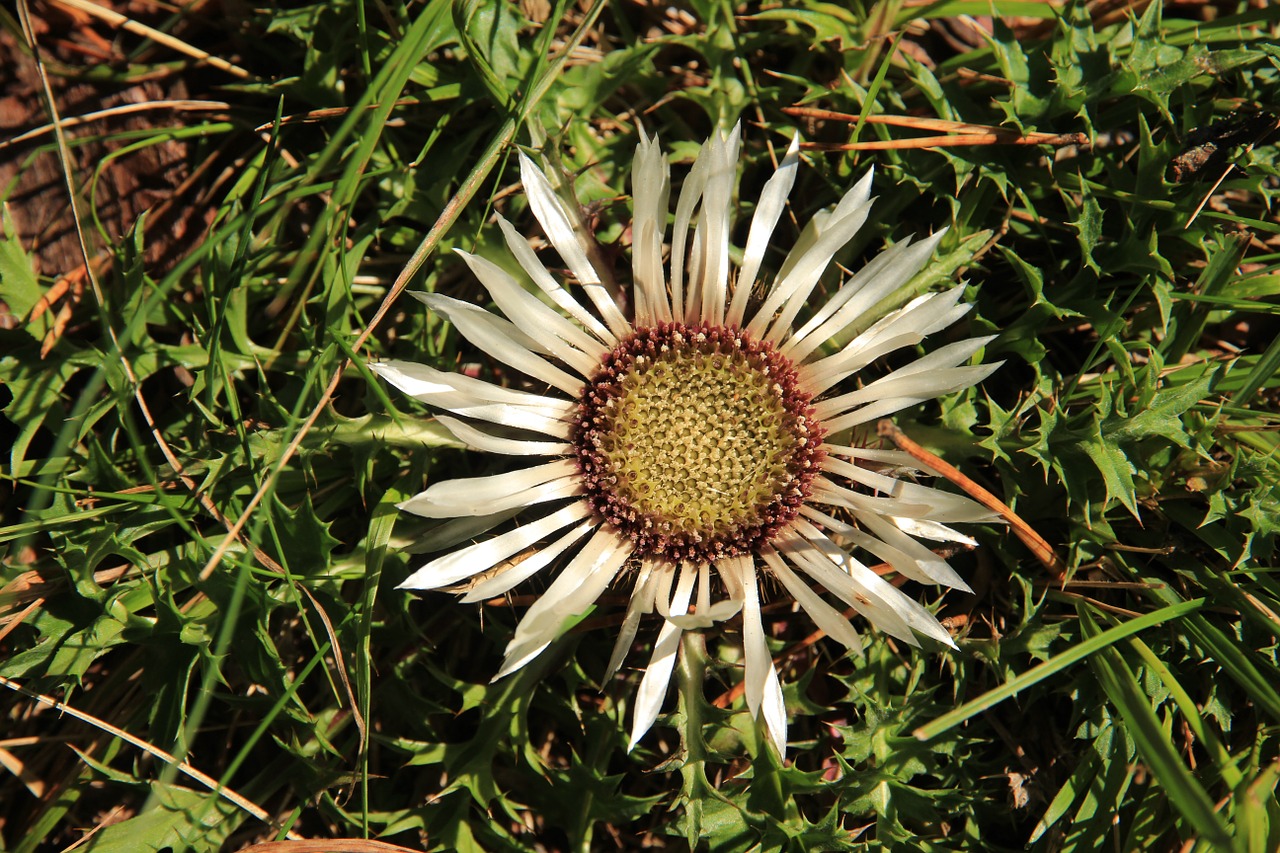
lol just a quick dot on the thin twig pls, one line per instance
(958, 133)
(115, 19)
(913, 122)
(317, 115)
(1101, 605)
(15, 621)
(996, 138)
(112, 112)
(332, 845)
(1042, 550)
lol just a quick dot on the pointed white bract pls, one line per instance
(651, 192)
(653, 686)
(857, 501)
(773, 200)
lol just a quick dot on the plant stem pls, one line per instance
(691, 672)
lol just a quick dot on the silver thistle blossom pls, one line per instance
(702, 433)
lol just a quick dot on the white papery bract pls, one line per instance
(702, 443)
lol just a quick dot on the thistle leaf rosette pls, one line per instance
(691, 448)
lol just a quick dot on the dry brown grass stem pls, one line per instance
(124, 22)
(182, 766)
(957, 133)
(1041, 549)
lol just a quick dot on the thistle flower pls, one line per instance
(706, 432)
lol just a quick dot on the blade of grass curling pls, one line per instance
(1037, 674)
(1182, 788)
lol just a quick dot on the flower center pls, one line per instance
(696, 442)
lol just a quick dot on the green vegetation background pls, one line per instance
(1133, 425)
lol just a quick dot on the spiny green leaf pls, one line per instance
(1162, 416)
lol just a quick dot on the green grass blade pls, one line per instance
(1055, 664)
(1184, 791)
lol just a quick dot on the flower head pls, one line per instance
(706, 433)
